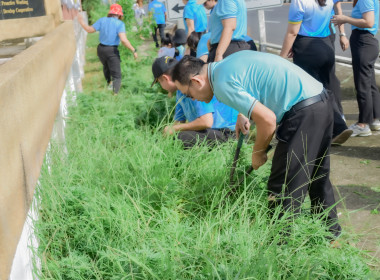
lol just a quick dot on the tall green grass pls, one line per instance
(128, 203)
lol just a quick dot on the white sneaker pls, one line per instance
(360, 131)
(375, 125)
(110, 86)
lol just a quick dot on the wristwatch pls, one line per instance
(342, 34)
(135, 50)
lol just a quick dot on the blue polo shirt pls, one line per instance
(189, 110)
(364, 7)
(245, 77)
(158, 9)
(197, 13)
(109, 29)
(228, 9)
(315, 20)
(202, 45)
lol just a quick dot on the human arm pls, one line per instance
(203, 122)
(229, 25)
(89, 29)
(127, 44)
(344, 43)
(290, 36)
(367, 20)
(166, 16)
(190, 26)
(265, 121)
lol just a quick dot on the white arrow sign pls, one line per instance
(175, 7)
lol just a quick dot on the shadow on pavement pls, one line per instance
(357, 197)
(360, 152)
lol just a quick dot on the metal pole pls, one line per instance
(263, 36)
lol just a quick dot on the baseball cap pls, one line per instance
(161, 65)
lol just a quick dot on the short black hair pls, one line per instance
(186, 68)
(168, 39)
(193, 40)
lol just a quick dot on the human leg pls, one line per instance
(102, 55)
(364, 49)
(304, 140)
(154, 35)
(161, 29)
(211, 136)
(113, 62)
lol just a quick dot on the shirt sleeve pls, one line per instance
(163, 8)
(121, 27)
(227, 9)
(97, 24)
(188, 12)
(203, 108)
(296, 12)
(179, 114)
(366, 6)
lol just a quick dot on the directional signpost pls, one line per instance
(175, 7)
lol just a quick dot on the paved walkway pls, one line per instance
(355, 172)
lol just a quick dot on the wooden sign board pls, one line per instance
(12, 9)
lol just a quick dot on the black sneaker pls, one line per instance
(342, 137)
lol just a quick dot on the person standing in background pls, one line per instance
(139, 12)
(365, 50)
(228, 28)
(308, 41)
(111, 32)
(160, 16)
(194, 19)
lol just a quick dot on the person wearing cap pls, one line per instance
(111, 32)
(271, 91)
(194, 17)
(194, 121)
(160, 15)
(228, 28)
(179, 40)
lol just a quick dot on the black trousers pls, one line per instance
(301, 161)
(334, 81)
(317, 57)
(212, 137)
(233, 47)
(161, 28)
(364, 50)
(110, 58)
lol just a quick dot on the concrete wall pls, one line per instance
(31, 86)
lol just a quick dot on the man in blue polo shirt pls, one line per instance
(270, 90)
(160, 16)
(194, 120)
(194, 17)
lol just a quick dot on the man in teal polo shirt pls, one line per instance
(270, 90)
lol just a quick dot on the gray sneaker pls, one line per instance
(375, 125)
(360, 131)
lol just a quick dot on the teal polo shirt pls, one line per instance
(245, 77)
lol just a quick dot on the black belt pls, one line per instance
(107, 45)
(307, 102)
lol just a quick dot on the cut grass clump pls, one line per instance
(128, 203)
